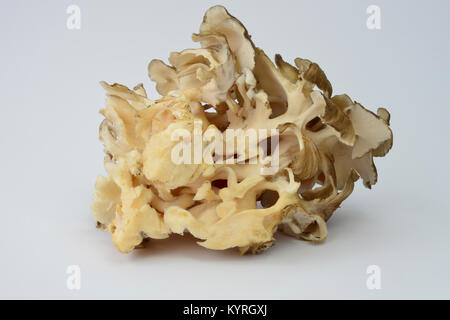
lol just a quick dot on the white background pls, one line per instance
(50, 154)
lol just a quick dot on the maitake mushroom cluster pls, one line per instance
(325, 144)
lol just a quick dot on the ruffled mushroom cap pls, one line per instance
(325, 144)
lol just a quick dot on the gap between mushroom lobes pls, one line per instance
(326, 144)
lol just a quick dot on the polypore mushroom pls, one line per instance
(234, 197)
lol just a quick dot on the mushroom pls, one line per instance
(321, 144)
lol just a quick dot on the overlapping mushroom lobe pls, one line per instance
(311, 147)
